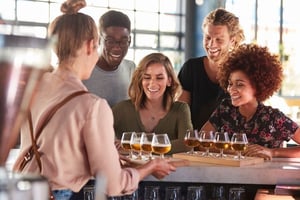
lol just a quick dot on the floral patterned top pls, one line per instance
(268, 127)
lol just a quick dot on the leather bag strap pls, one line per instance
(33, 150)
(34, 147)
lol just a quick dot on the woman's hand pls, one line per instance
(256, 150)
(118, 144)
(166, 166)
(159, 168)
(162, 168)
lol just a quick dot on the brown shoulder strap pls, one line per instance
(47, 119)
(34, 147)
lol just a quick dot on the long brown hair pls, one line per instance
(136, 92)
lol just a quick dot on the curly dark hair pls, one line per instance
(263, 69)
(114, 18)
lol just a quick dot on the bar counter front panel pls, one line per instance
(277, 171)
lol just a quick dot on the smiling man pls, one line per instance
(198, 76)
(111, 76)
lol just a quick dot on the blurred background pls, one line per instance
(173, 27)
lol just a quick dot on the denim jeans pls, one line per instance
(70, 195)
(62, 194)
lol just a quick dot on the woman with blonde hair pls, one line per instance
(78, 141)
(152, 106)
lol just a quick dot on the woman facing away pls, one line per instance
(250, 75)
(78, 142)
(152, 107)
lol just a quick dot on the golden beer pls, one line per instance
(147, 147)
(126, 146)
(136, 146)
(206, 144)
(161, 149)
(191, 142)
(239, 146)
(222, 145)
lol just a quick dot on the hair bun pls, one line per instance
(72, 6)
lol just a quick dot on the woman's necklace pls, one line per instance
(152, 115)
(149, 119)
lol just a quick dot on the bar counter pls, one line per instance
(266, 175)
(277, 171)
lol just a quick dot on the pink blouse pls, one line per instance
(78, 142)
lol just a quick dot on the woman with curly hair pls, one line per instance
(152, 107)
(250, 75)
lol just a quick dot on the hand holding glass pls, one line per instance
(161, 144)
(239, 143)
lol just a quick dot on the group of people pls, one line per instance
(223, 90)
